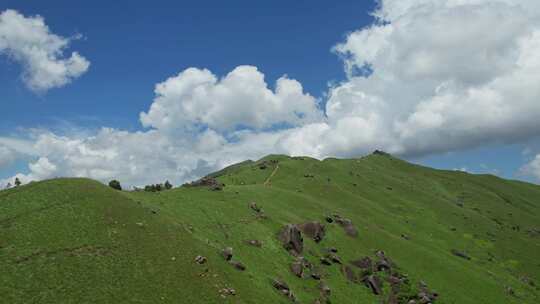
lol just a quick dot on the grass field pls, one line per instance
(78, 241)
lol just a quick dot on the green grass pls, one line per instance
(78, 241)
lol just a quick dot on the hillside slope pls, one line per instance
(470, 238)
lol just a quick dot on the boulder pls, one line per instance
(255, 243)
(460, 254)
(364, 263)
(253, 206)
(200, 259)
(349, 273)
(227, 253)
(238, 265)
(283, 288)
(347, 225)
(291, 239)
(297, 267)
(207, 181)
(334, 258)
(382, 265)
(325, 289)
(326, 261)
(313, 230)
(374, 283)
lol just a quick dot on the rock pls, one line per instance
(253, 206)
(280, 285)
(313, 230)
(283, 288)
(315, 276)
(200, 259)
(382, 265)
(460, 254)
(326, 261)
(291, 239)
(227, 291)
(364, 263)
(329, 219)
(238, 265)
(255, 243)
(405, 237)
(227, 253)
(349, 273)
(331, 250)
(325, 289)
(374, 283)
(297, 267)
(207, 181)
(347, 225)
(334, 258)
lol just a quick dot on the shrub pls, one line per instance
(115, 184)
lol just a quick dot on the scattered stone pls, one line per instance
(283, 288)
(316, 276)
(238, 265)
(405, 237)
(334, 258)
(255, 243)
(291, 239)
(227, 253)
(329, 219)
(313, 230)
(460, 254)
(309, 175)
(253, 206)
(207, 181)
(297, 267)
(227, 291)
(382, 265)
(349, 273)
(325, 289)
(364, 263)
(332, 249)
(140, 224)
(200, 259)
(326, 261)
(347, 225)
(374, 283)
(510, 291)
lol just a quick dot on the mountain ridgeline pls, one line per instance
(278, 230)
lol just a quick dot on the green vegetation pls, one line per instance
(472, 238)
(115, 184)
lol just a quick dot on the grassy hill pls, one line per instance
(471, 238)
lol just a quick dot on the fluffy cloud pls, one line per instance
(197, 98)
(7, 156)
(532, 168)
(29, 41)
(428, 76)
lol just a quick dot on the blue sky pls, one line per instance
(134, 47)
(131, 49)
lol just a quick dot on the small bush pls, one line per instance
(115, 184)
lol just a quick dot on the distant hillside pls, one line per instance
(281, 229)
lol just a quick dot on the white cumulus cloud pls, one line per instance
(29, 41)
(196, 98)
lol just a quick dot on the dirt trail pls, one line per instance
(267, 181)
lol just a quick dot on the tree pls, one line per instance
(168, 185)
(115, 184)
(8, 185)
(17, 182)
